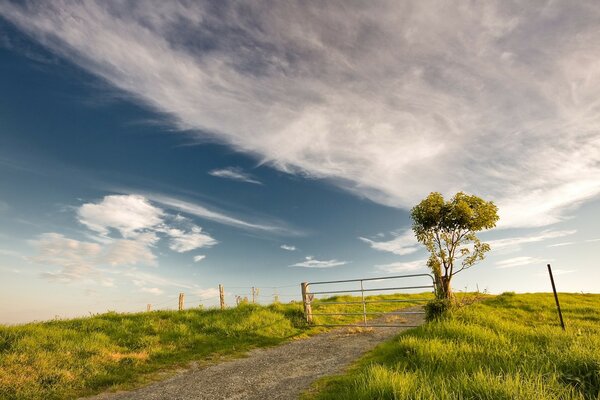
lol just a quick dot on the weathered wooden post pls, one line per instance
(222, 296)
(148, 307)
(181, 300)
(562, 323)
(306, 300)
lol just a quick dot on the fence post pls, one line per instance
(221, 296)
(306, 300)
(362, 297)
(562, 324)
(148, 307)
(181, 300)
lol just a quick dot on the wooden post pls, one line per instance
(306, 299)
(222, 296)
(148, 307)
(562, 323)
(253, 298)
(181, 300)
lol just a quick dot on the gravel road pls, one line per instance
(281, 372)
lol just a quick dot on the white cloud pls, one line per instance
(516, 242)
(155, 291)
(182, 242)
(77, 259)
(236, 174)
(288, 247)
(128, 214)
(310, 262)
(561, 244)
(403, 266)
(199, 258)
(495, 99)
(127, 252)
(139, 221)
(593, 240)
(401, 244)
(80, 260)
(520, 261)
(201, 211)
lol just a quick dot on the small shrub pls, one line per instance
(437, 309)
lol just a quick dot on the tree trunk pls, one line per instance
(446, 289)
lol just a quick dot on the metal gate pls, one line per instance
(362, 286)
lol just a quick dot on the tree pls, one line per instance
(447, 229)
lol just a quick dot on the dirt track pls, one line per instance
(281, 372)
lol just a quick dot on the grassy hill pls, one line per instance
(507, 347)
(70, 358)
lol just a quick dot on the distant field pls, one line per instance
(507, 347)
(70, 358)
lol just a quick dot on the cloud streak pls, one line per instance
(520, 261)
(236, 174)
(403, 266)
(311, 262)
(516, 241)
(401, 244)
(389, 102)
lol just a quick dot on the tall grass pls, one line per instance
(70, 358)
(508, 347)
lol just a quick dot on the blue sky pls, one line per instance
(150, 150)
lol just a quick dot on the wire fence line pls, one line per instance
(227, 297)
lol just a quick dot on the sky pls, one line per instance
(152, 148)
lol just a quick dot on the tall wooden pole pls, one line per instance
(306, 299)
(181, 300)
(222, 296)
(562, 323)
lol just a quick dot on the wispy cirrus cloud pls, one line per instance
(311, 262)
(402, 243)
(516, 241)
(288, 247)
(80, 261)
(236, 174)
(389, 101)
(561, 244)
(401, 266)
(201, 211)
(520, 261)
(199, 258)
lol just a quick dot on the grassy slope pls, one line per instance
(508, 347)
(70, 358)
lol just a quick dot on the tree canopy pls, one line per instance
(447, 229)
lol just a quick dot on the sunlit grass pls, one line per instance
(508, 347)
(70, 358)
(329, 306)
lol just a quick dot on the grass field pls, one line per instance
(69, 358)
(507, 347)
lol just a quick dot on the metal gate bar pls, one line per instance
(308, 299)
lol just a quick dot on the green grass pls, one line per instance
(69, 358)
(64, 359)
(506, 347)
(325, 306)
